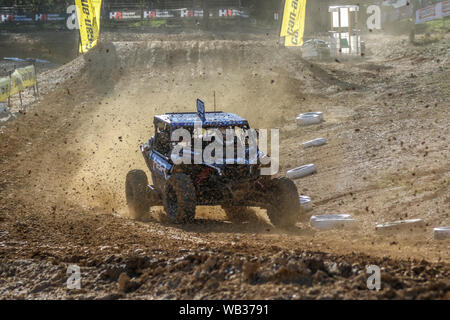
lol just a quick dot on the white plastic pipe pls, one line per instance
(301, 172)
(331, 221)
(314, 143)
(441, 233)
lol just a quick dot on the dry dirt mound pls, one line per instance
(63, 167)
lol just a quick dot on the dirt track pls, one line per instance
(63, 166)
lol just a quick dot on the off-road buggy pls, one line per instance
(234, 185)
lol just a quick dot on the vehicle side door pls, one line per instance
(159, 162)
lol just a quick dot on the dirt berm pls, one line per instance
(63, 166)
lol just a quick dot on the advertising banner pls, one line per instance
(125, 15)
(97, 4)
(89, 29)
(432, 12)
(20, 79)
(293, 24)
(16, 83)
(28, 76)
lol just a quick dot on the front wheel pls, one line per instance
(180, 199)
(136, 194)
(284, 206)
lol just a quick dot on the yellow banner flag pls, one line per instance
(97, 5)
(89, 27)
(293, 25)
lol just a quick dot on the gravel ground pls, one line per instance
(63, 166)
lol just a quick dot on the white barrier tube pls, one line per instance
(314, 143)
(399, 225)
(305, 202)
(308, 118)
(301, 172)
(332, 221)
(441, 233)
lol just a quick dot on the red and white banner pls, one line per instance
(30, 18)
(175, 13)
(445, 8)
(125, 15)
(435, 11)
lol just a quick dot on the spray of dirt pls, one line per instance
(135, 81)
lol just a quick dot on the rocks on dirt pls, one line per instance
(390, 281)
(249, 271)
(110, 258)
(359, 282)
(41, 286)
(210, 263)
(320, 277)
(125, 284)
(113, 272)
(345, 269)
(293, 272)
(135, 263)
(314, 264)
(111, 296)
(4, 111)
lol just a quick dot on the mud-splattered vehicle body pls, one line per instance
(234, 182)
